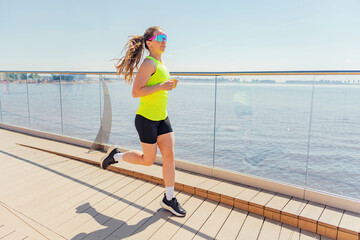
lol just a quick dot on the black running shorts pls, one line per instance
(149, 130)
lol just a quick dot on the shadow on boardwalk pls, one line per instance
(113, 224)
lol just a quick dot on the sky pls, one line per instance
(203, 36)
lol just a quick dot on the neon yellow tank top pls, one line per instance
(154, 106)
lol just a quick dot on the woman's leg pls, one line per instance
(146, 158)
(166, 143)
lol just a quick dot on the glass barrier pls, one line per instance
(123, 107)
(81, 105)
(297, 129)
(14, 102)
(45, 102)
(262, 126)
(190, 109)
(191, 112)
(334, 152)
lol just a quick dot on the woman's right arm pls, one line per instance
(140, 89)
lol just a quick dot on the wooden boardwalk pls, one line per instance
(46, 196)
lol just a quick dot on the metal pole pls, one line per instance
(28, 101)
(101, 130)
(0, 111)
(61, 107)
(214, 121)
(308, 146)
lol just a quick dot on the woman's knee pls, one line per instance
(168, 157)
(148, 161)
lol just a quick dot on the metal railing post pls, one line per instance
(215, 102)
(0, 112)
(28, 101)
(308, 146)
(61, 108)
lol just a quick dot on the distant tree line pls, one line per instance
(20, 76)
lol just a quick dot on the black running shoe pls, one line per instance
(173, 206)
(108, 158)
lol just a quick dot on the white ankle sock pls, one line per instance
(118, 156)
(169, 193)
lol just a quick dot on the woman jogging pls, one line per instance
(152, 83)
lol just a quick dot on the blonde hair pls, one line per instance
(134, 50)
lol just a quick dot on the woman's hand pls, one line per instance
(169, 85)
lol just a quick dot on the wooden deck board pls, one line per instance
(288, 232)
(251, 227)
(270, 230)
(72, 211)
(91, 181)
(65, 197)
(232, 225)
(214, 223)
(173, 224)
(136, 201)
(155, 222)
(37, 180)
(149, 201)
(106, 209)
(196, 221)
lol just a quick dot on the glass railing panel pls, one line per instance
(81, 105)
(14, 102)
(334, 153)
(45, 103)
(191, 112)
(262, 126)
(123, 107)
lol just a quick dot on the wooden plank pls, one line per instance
(306, 235)
(122, 219)
(174, 223)
(243, 198)
(203, 188)
(67, 215)
(25, 167)
(38, 179)
(5, 230)
(190, 181)
(76, 222)
(11, 162)
(197, 219)
(270, 230)
(26, 187)
(289, 232)
(232, 225)
(310, 215)
(291, 211)
(228, 189)
(214, 223)
(109, 211)
(136, 217)
(251, 227)
(44, 187)
(156, 221)
(75, 189)
(15, 236)
(275, 205)
(257, 203)
(349, 226)
(329, 221)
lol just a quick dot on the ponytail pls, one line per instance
(134, 50)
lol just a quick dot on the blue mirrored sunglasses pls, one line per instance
(159, 38)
